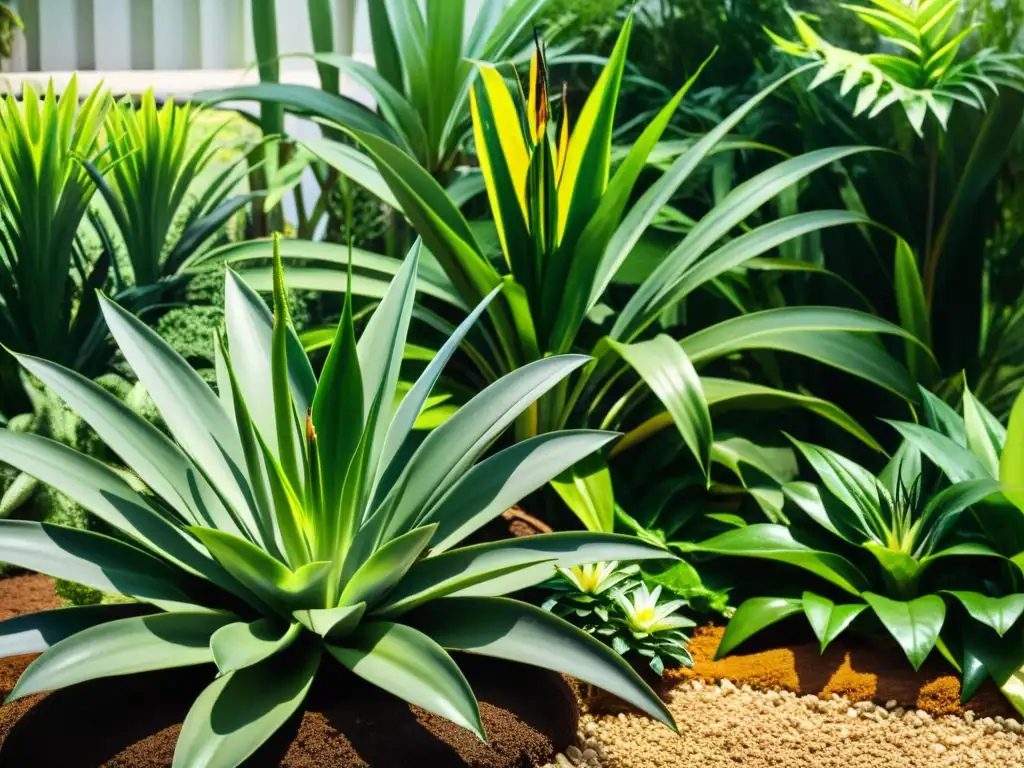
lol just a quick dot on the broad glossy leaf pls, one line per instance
(90, 558)
(412, 666)
(942, 511)
(913, 312)
(753, 615)
(941, 417)
(498, 482)
(586, 488)
(35, 632)
(827, 619)
(240, 644)
(353, 164)
(239, 711)
(502, 567)
(914, 624)
(1011, 461)
(831, 335)
(513, 630)
(827, 511)
(777, 542)
(849, 482)
(1000, 613)
(980, 441)
(665, 368)
(956, 462)
(124, 647)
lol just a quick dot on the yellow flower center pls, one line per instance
(644, 616)
(589, 578)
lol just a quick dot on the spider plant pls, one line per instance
(44, 194)
(565, 229)
(291, 521)
(156, 157)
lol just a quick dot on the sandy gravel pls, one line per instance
(722, 725)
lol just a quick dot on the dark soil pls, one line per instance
(133, 722)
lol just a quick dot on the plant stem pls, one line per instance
(931, 259)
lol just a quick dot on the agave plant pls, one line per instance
(155, 158)
(44, 195)
(289, 520)
(565, 232)
(925, 78)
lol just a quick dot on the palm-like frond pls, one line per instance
(925, 77)
(291, 520)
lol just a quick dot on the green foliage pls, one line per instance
(10, 25)
(44, 194)
(156, 158)
(292, 520)
(616, 606)
(925, 78)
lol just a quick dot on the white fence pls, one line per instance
(171, 35)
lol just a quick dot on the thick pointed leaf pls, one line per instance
(1011, 461)
(586, 488)
(124, 647)
(914, 624)
(240, 644)
(956, 462)
(513, 630)
(386, 567)
(412, 666)
(1000, 613)
(501, 567)
(827, 619)
(980, 441)
(161, 464)
(849, 482)
(91, 559)
(665, 368)
(331, 623)
(778, 543)
(192, 411)
(451, 449)
(753, 615)
(498, 482)
(913, 311)
(238, 712)
(36, 632)
(268, 578)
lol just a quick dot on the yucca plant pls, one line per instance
(565, 229)
(290, 520)
(44, 194)
(156, 156)
(420, 77)
(903, 546)
(925, 77)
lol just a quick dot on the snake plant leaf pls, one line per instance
(123, 647)
(512, 630)
(38, 631)
(413, 667)
(1000, 613)
(502, 567)
(586, 488)
(665, 368)
(827, 619)
(489, 488)
(240, 644)
(753, 615)
(91, 559)
(831, 335)
(914, 624)
(239, 711)
(778, 543)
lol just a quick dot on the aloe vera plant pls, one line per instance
(155, 157)
(290, 521)
(565, 230)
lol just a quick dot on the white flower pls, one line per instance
(643, 614)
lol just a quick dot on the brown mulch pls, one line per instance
(856, 671)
